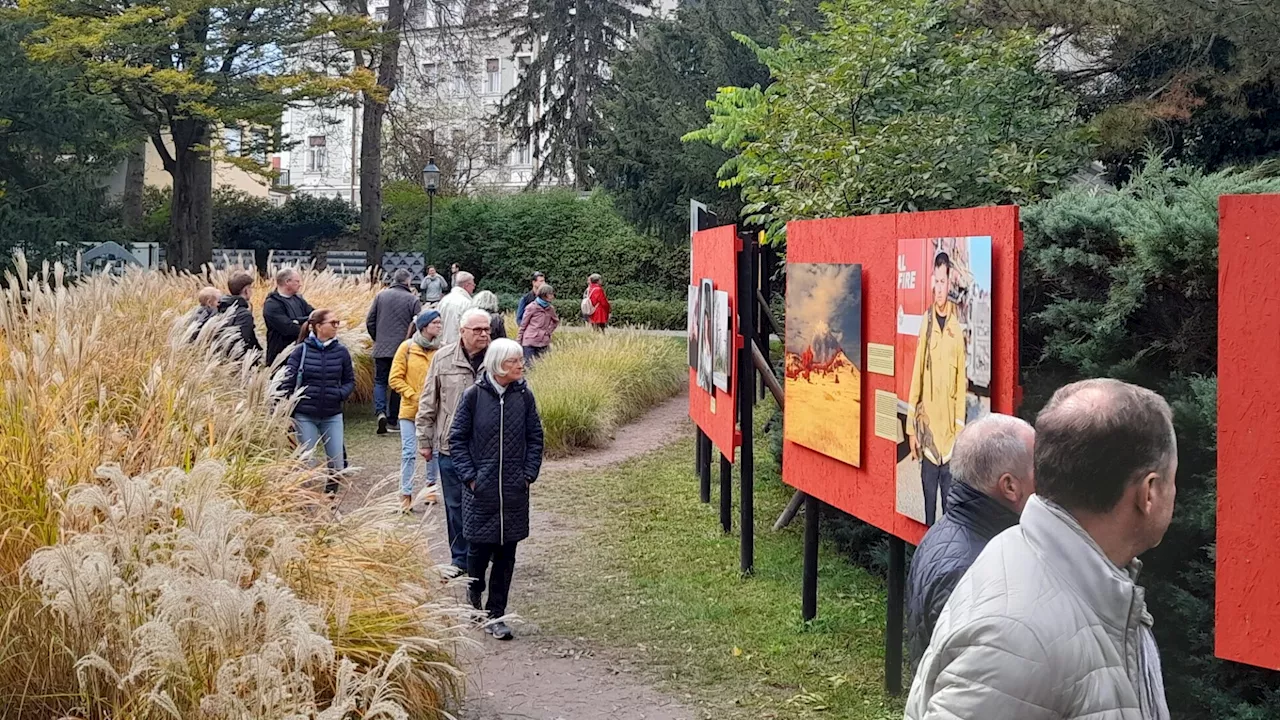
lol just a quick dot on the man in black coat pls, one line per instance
(388, 321)
(992, 466)
(284, 311)
(239, 289)
(496, 442)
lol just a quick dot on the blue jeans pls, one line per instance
(385, 400)
(452, 485)
(327, 432)
(409, 458)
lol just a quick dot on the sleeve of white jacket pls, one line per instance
(991, 668)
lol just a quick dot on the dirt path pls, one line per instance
(541, 676)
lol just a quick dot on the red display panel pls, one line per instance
(715, 257)
(1247, 611)
(869, 492)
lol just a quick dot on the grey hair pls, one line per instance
(500, 351)
(402, 276)
(988, 448)
(485, 300)
(283, 275)
(473, 313)
(463, 277)
(545, 291)
(594, 278)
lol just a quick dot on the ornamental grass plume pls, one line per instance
(162, 550)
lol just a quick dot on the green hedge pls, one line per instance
(652, 314)
(504, 239)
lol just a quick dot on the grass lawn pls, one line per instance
(654, 576)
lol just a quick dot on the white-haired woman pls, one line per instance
(488, 302)
(496, 442)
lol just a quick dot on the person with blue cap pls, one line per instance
(408, 375)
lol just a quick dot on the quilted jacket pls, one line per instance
(945, 553)
(1042, 627)
(497, 451)
(327, 377)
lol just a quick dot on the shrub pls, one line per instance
(244, 221)
(1124, 284)
(504, 239)
(591, 384)
(145, 590)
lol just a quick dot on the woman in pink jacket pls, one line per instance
(540, 320)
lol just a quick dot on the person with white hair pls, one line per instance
(457, 302)
(993, 465)
(487, 301)
(496, 443)
(454, 368)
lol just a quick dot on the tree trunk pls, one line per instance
(375, 111)
(134, 179)
(191, 212)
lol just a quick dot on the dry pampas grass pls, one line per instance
(162, 553)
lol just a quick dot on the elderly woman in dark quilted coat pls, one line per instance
(496, 441)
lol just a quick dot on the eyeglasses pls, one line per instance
(479, 330)
(335, 323)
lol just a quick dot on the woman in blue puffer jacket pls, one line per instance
(321, 368)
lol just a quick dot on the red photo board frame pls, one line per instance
(1247, 614)
(869, 492)
(715, 256)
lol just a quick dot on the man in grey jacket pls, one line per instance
(434, 286)
(1049, 623)
(388, 321)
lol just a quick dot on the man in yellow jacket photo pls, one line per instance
(936, 404)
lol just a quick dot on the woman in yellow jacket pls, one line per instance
(408, 375)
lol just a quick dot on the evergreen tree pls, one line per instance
(554, 107)
(661, 84)
(182, 68)
(58, 143)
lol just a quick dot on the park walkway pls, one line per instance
(540, 675)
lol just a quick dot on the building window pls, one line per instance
(258, 148)
(522, 65)
(520, 154)
(380, 14)
(491, 144)
(317, 158)
(232, 141)
(492, 76)
(430, 75)
(459, 77)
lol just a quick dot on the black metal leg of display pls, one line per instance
(893, 618)
(809, 595)
(726, 494)
(746, 403)
(704, 470)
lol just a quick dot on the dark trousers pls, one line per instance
(452, 486)
(533, 353)
(385, 400)
(934, 478)
(503, 560)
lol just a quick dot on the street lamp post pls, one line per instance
(431, 181)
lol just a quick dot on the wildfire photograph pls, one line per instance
(824, 359)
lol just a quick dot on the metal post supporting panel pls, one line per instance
(809, 591)
(746, 401)
(893, 618)
(726, 495)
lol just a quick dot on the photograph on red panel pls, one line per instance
(942, 361)
(824, 359)
(723, 334)
(706, 334)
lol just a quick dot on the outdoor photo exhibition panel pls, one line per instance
(715, 271)
(1247, 612)
(955, 268)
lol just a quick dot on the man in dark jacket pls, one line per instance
(393, 311)
(992, 462)
(530, 297)
(239, 289)
(284, 311)
(496, 443)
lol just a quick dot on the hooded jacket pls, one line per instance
(973, 518)
(497, 452)
(408, 375)
(539, 322)
(1043, 626)
(940, 382)
(241, 320)
(284, 317)
(327, 377)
